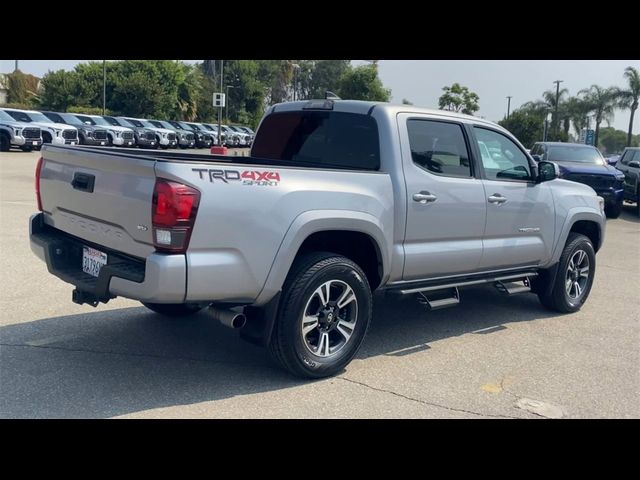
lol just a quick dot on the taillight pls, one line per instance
(38, 170)
(173, 215)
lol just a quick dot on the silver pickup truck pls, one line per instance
(338, 199)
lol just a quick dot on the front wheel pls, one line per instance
(174, 309)
(324, 316)
(574, 278)
(613, 211)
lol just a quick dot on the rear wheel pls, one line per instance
(174, 309)
(574, 278)
(324, 316)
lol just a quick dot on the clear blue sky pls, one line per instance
(421, 81)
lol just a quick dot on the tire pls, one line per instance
(109, 140)
(174, 309)
(561, 299)
(614, 210)
(5, 143)
(310, 355)
(26, 149)
(638, 202)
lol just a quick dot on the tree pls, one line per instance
(612, 140)
(363, 83)
(550, 98)
(59, 90)
(457, 98)
(527, 125)
(23, 88)
(602, 102)
(406, 102)
(320, 76)
(628, 98)
(576, 111)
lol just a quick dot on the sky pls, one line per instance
(421, 81)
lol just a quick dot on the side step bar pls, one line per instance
(512, 288)
(465, 283)
(451, 300)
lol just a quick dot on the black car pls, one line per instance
(585, 164)
(185, 139)
(203, 140)
(145, 138)
(629, 164)
(88, 134)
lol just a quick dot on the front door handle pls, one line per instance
(424, 197)
(497, 198)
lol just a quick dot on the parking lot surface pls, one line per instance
(491, 357)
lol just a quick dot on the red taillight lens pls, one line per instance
(38, 170)
(174, 213)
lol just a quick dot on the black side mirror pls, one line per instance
(536, 157)
(634, 164)
(547, 171)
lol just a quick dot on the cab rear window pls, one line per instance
(320, 139)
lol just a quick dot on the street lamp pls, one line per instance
(226, 106)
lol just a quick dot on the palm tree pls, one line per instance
(602, 102)
(550, 98)
(576, 111)
(629, 98)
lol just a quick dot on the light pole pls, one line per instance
(508, 105)
(220, 111)
(226, 102)
(296, 68)
(556, 122)
(104, 87)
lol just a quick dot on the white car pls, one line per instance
(118, 136)
(166, 138)
(56, 133)
(18, 134)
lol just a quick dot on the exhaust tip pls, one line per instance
(239, 321)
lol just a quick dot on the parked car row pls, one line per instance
(29, 129)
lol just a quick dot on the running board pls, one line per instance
(437, 303)
(516, 277)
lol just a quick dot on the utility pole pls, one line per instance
(220, 111)
(508, 105)
(226, 102)
(556, 122)
(15, 69)
(104, 87)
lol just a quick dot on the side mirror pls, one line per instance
(547, 171)
(536, 157)
(634, 164)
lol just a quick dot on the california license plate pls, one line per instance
(35, 143)
(101, 143)
(92, 261)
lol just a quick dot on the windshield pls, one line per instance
(72, 119)
(131, 122)
(101, 121)
(208, 127)
(39, 117)
(176, 125)
(117, 123)
(569, 153)
(186, 126)
(157, 123)
(86, 120)
(6, 117)
(147, 124)
(194, 127)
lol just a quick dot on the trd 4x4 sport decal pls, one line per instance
(247, 177)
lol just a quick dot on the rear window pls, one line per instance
(323, 139)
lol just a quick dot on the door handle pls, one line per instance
(497, 198)
(424, 197)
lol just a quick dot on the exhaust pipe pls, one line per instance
(229, 318)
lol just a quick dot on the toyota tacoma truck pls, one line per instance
(337, 199)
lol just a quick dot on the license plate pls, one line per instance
(35, 143)
(129, 143)
(73, 143)
(92, 261)
(101, 143)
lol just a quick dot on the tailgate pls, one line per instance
(102, 197)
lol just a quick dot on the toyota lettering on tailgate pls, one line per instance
(247, 177)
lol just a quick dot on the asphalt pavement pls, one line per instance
(491, 357)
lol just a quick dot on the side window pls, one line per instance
(626, 157)
(502, 159)
(439, 147)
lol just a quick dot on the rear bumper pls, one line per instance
(159, 278)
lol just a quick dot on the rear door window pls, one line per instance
(320, 139)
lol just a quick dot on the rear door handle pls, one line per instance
(497, 198)
(424, 197)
